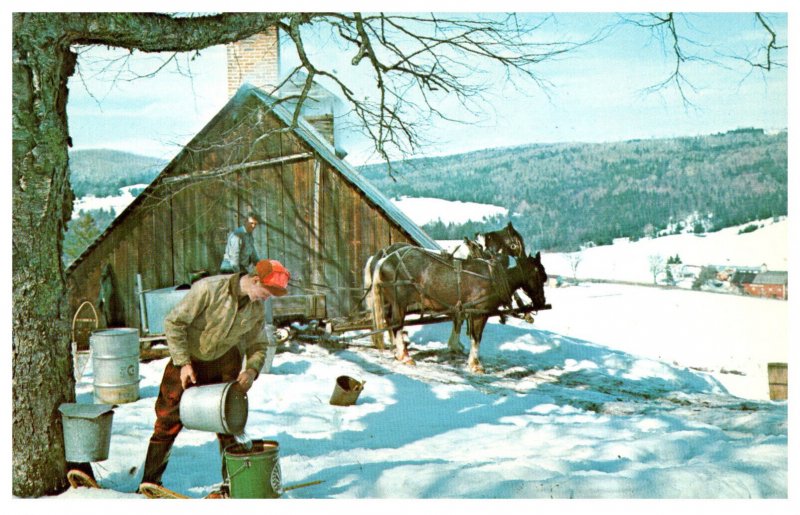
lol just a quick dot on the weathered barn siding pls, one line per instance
(318, 221)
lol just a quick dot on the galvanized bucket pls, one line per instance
(254, 473)
(87, 431)
(115, 363)
(218, 408)
(346, 391)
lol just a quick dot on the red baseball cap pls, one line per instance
(274, 276)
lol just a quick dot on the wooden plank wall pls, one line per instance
(168, 236)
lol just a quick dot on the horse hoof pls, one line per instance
(477, 369)
(407, 361)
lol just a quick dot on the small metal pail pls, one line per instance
(115, 365)
(346, 391)
(87, 431)
(218, 408)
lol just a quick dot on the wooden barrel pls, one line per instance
(778, 381)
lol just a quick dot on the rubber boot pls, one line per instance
(156, 461)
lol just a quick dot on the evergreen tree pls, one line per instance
(81, 232)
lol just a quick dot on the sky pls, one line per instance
(594, 94)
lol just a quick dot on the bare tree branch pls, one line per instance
(417, 60)
(764, 56)
(666, 29)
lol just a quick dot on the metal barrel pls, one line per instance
(115, 365)
(218, 408)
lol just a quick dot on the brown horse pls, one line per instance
(406, 278)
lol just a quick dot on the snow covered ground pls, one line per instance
(555, 416)
(618, 392)
(581, 404)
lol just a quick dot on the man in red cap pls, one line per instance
(219, 316)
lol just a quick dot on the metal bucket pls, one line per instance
(346, 391)
(218, 408)
(254, 473)
(115, 363)
(87, 431)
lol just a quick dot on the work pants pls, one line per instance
(168, 421)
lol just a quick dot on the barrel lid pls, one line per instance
(115, 331)
(71, 409)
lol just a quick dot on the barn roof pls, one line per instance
(306, 133)
(772, 277)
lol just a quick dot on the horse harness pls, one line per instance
(497, 277)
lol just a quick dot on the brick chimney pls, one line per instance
(254, 60)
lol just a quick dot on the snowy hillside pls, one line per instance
(427, 210)
(117, 203)
(629, 261)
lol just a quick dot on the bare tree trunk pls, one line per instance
(42, 202)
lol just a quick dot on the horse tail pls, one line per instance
(368, 283)
(376, 297)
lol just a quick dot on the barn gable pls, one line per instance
(321, 217)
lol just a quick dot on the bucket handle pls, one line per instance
(246, 465)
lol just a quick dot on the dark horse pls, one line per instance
(503, 243)
(406, 278)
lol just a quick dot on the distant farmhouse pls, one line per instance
(756, 281)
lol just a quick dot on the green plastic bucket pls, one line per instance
(254, 473)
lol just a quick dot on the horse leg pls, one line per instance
(376, 301)
(400, 345)
(475, 328)
(454, 343)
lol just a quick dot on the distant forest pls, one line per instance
(562, 196)
(559, 196)
(103, 172)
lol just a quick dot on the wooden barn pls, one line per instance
(321, 218)
(771, 284)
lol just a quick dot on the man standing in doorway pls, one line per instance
(240, 251)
